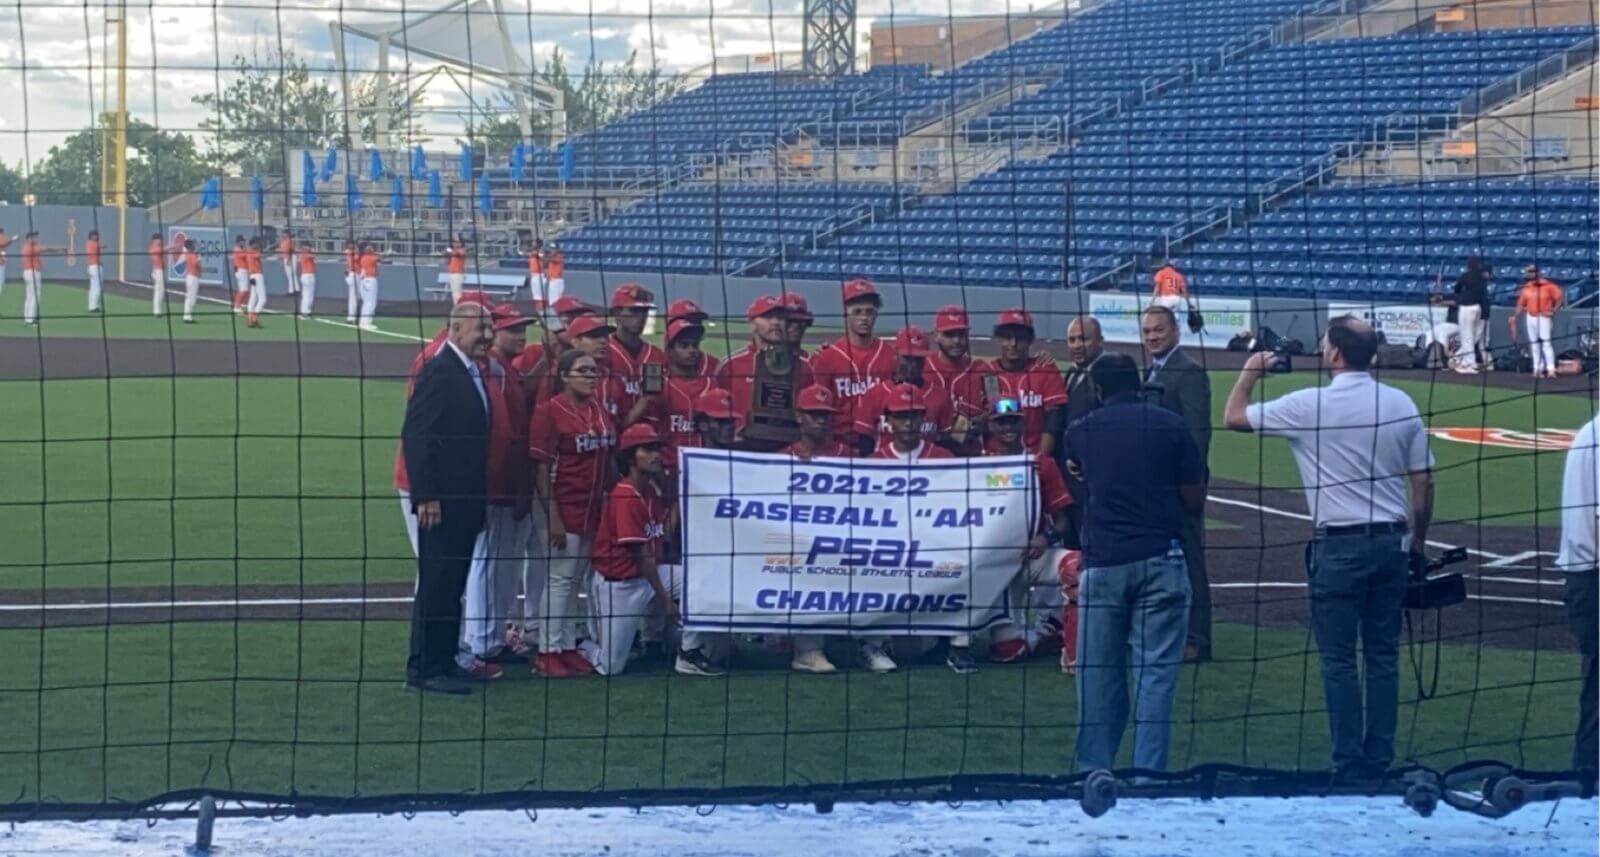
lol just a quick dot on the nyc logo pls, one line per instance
(1005, 480)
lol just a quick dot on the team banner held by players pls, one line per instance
(773, 543)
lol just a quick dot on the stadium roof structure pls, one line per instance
(465, 42)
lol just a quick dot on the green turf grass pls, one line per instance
(317, 708)
(63, 313)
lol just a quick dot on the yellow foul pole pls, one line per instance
(114, 154)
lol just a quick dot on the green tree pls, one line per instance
(160, 164)
(602, 94)
(270, 110)
(10, 183)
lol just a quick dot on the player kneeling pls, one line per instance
(1039, 585)
(627, 585)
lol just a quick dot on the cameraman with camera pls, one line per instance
(1361, 449)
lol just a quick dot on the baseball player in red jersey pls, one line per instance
(527, 557)
(674, 409)
(797, 321)
(628, 586)
(953, 369)
(589, 334)
(570, 439)
(851, 365)
(737, 373)
(1034, 381)
(687, 310)
(912, 351)
(628, 353)
(814, 408)
(241, 273)
(158, 274)
(1038, 584)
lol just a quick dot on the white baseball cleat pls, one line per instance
(875, 659)
(811, 662)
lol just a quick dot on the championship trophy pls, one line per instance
(771, 419)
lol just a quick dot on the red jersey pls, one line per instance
(33, 256)
(928, 451)
(91, 248)
(833, 449)
(308, 261)
(938, 419)
(631, 517)
(158, 256)
(1539, 297)
(673, 414)
(737, 375)
(556, 266)
(252, 261)
(402, 482)
(849, 372)
(628, 370)
(574, 440)
(455, 260)
(240, 258)
(1170, 283)
(962, 383)
(369, 264)
(191, 264)
(1038, 387)
(509, 481)
(535, 264)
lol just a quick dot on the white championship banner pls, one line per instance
(775, 544)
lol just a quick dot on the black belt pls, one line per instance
(1378, 528)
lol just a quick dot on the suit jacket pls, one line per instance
(1186, 391)
(1082, 400)
(445, 438)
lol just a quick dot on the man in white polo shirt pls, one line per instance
(1580, 506)
(1362, 449)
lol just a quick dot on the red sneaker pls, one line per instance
(1008, 651)
(550, 665)
(576, 663)
(482, 671)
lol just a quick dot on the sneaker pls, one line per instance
(1068, 667)
(550, 665)
(1007, 651)
(875, 659)
(811, 662)
(959, 659)
(187, 320)
(480, 670)
(695, 662)
(576, 663)
(305, 316)
(349, 321)
(369, 327)
(517, 644)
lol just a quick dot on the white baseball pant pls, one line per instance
(293, 282)
(618, 609)
(410, 516)
(191, 293)
(31, 281)
(96, 272)
(535, 535)
(369, 301)
(308, 293)
(352, 296)
(456, 282)
(241, 280)
(158, 292)
(1544, 356)
(487, 601)
(2, 276)
(1468, 317)
(554, 289)
(258, 293)
(1036, 589)
(1172, 302)
(558, 614)
(538, 284)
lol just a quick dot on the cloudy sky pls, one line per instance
(54, 53)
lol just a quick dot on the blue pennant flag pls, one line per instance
(211, 193)
(397, 197)
(419, 162)
(258, 194)
(375, 166)
(519, 161)
(352, 193)
(485, 203)
(466, 162)
(330, 164)
(566, 162)
(435, 192)
(308, 185)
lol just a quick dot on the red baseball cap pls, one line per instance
(477, 296)
(951, 318)
(912, 342)
(569, 305)
(588, 325)
(1014, 318)
(815, 398)
(507, 316)
(639, 434)
(632, 296)
(796, 305)
(715, 403)
(764, 305)
(860, 288)
(905, 399)
(686, 310)
(681, 326)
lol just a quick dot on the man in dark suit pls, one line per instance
(445, 441)
(1180, 385)
(1085, 344)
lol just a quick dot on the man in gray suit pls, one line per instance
(1085, 344)
(1179, 384)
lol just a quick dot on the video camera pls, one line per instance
(1426, 590)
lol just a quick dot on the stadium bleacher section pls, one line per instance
(1211, 145)
(1399, 242)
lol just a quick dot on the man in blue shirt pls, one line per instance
(1143, 472)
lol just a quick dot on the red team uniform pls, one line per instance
(849, 372)
(1037, 388)
(574, 441)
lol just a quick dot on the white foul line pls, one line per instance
(1498, 558)
(175, 605)
(1508, 599)
(318, 319)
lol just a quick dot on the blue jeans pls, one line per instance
(1357, 584)
(1138, 612)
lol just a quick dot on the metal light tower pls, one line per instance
(830, 37)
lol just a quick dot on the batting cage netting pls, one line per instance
(622, 403)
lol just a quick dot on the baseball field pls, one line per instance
(206, 583)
